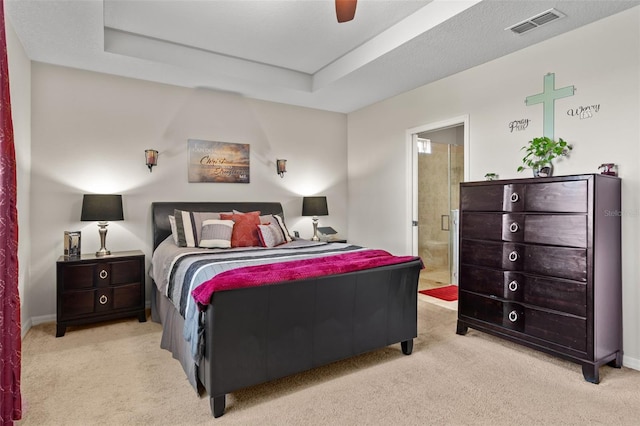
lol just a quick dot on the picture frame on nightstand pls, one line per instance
(72, 243)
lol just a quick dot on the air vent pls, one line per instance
(536, 21)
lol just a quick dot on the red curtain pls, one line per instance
(10, 339)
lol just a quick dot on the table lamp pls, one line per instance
(102, 208)
(314, 206)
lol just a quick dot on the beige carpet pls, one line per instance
(116, 374)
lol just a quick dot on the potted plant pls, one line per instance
(541, 152)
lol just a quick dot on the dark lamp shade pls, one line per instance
(314, 206)
(96, 207)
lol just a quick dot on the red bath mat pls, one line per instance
(448, 293)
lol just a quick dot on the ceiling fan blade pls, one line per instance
(345, 10)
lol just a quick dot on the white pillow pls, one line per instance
(216, 233)
(285, 231)
(271, 235)
(174, 230)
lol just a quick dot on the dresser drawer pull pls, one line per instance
(103, 274)
(515, 197)
(513, 256)
(513, 316)
(103, 300)
(514, 227)
(513, 285)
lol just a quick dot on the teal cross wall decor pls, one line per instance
(547, 98)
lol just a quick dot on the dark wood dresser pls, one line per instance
(92, 288)
(540, 265)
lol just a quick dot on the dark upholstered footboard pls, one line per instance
(258, 334)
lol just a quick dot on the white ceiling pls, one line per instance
(291, 51)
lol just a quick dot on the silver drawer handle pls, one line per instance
(513, 316)
(103, 300)
(513, 256)
(514, 227)
(513, 285)
(103, 274)
(515, 197)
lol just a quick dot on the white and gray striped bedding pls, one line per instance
(178, 270)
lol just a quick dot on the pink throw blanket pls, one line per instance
(252, 276)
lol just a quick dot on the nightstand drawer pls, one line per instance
(77, 303)
(125, 272)
(76, 277)
(127, 296)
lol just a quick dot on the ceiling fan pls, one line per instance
(345, 10)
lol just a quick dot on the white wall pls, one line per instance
(20, 82)
(601, 60)
(89, 134)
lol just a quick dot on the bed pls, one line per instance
(251, 335)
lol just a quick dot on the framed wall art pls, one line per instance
(219, 162)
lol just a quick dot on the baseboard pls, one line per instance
(42, 319)
(24, 327)
(35, 321)
(49, 318)
(629, 362)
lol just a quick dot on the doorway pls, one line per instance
(439, 162)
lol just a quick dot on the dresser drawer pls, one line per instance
(549, 293)
(560, 230)
(559, 262)
(561, 329)
(563, 196)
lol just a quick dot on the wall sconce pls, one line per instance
(152, 158)
(281, 167)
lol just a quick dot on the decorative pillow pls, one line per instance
(245, 231)
(174, 231)
(283, 227)
(189, 225)
(216, 233)
(271, 235)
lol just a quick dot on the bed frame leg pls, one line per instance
(407, 347)
(217, 405)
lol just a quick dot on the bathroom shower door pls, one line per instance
(440, 170)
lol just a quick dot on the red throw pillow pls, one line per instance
(245, 229)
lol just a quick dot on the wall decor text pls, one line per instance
(519, 125)
(583, 112)
(219, 162)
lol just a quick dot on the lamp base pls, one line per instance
(102, 229)
(315, 229)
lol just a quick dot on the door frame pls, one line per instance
(412, 171)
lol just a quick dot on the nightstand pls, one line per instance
(92, 288)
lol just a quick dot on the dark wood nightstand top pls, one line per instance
(92, 256)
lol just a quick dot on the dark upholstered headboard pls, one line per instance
(160, 212)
